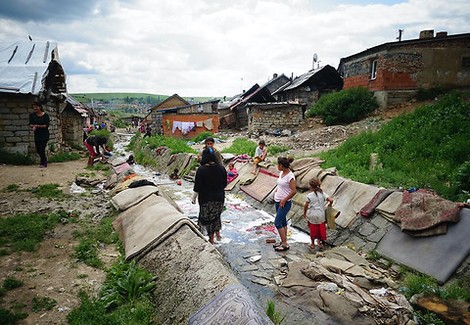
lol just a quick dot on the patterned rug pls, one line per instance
(233, 306)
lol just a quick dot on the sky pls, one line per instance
(214, 48)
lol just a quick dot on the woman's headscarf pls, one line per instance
(208, 156)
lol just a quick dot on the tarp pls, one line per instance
(143, 227)
(437, 256)
(23, 64)
(350, 197)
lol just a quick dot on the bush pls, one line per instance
(345, 106)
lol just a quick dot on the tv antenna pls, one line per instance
(400, 34)
(315, 59)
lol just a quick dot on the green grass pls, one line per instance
(8, 317)
(43, 304)
(64, 156)
(242, 146)
(11, 188)
(125, 298)
(274, 315)
(429, 148)
(24, 232)
(50, 191)
(10, 283)
(91, 237)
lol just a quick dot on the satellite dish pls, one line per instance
(315, 57)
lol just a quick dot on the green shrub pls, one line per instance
(91, 311)
(10, 318)
(43, 303)
(87, 252)
(345, 106)
(428, 318)
(11, 283)
(416, 283)
(126, 283)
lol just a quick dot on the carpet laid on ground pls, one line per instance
(423, 213)
(132, 196)
(233, 306)
(350, 197)
(437, 256)
(263, 184)
(144, 226)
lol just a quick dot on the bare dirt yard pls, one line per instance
(52, 271)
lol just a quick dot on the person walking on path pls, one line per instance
(209, 189)
(261, 153)
(39, 123)
(314, 212)
(283, 195)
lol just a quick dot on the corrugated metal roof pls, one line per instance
(23, 64)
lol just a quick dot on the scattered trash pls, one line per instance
(382, 292)
(74, 188)
(254, 258)
(328, 286)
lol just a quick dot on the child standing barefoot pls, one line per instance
(314, 212)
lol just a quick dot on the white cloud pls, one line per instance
(206, 47)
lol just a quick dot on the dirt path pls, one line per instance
(51, 271)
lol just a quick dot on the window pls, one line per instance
(373, 70)
(466, 62)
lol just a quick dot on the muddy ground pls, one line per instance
(52, 271)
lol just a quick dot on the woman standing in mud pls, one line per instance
(39, 123)
(209, 185)
(283, 195)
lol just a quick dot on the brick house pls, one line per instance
(176, 117)
(395, 71)
(154, 117)
(29, 71)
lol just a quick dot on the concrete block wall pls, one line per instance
(264, 118)
(15, 134)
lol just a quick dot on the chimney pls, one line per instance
(441, 34)
(429, 33)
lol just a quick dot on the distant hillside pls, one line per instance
(130, 97)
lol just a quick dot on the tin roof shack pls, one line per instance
(238, 117)
(29, 71)
(395, 71)
(190, 120)
(307, 88)
(75, 116)
(274, 116)
(154, 117)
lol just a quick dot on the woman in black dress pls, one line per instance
(39, 123)
(209, 184)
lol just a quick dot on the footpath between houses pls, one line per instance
(197, 277)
